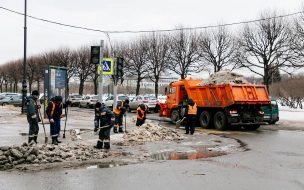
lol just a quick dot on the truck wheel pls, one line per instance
(220, 121)
(205, 119)
(251, 127)
(174, 116)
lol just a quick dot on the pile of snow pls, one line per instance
(151, 132)
(32, 153)
(224, 77)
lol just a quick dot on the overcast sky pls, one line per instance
(115, 15)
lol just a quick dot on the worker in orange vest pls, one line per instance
(141, 115)
(119, 112)
(190, 114)
(54, 114)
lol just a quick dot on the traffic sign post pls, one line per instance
(100, 85)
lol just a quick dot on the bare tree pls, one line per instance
(135, 60)
(184, 53)
(5, 69)
(297, 40)
(265, 46)
(64, 57)
(218, 48)
(39, 77)
(82, 67)
(158, 57)
(1, 77)
(32, 70)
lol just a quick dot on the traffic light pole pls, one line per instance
(100, 85)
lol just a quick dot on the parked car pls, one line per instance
(74, 99)
(88, 101)
(271, 112)
(13, 100)
(149, 101)
(160, 99)
(8, 94)
(109, 101)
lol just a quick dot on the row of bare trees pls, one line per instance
(271, 44)
(289, 92)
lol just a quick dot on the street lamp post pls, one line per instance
(24, 86)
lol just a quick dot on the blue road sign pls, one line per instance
(108, 66)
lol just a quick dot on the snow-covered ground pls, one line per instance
(286, 113)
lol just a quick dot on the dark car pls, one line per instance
(271, 111)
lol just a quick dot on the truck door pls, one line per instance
(171, 96)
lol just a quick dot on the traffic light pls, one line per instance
(119, 67)
(95, 54)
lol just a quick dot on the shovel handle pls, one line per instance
(183, 119)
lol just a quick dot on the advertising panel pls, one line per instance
(55, 84)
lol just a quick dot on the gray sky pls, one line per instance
(115, 15)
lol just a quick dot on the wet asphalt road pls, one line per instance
(273, 160)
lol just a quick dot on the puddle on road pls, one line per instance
(186, 155)
(105, 166)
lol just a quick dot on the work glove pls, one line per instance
(95, 129)
(51, 120)
(125, 114)
(38, 106)
(144, 118)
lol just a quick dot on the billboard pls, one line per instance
(55, 84)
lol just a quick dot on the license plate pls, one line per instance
(266, 117)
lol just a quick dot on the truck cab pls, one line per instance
(271, 111)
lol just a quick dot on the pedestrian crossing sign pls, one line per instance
(108, 66)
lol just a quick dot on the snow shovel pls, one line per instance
(46, 138)
(75, 133)
(178, 123)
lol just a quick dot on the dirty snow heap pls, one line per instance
(224, 77)
(151, 132)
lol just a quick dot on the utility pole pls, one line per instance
(24, 86)
(100, 85)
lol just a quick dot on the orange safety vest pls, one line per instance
(53, 108)
(192, 110)
(142, 113)
(116, 110)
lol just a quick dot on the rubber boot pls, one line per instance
(30, 139)
(99, 145)
(115, 130)
(120, 130)
(107, 145)
(187, 130)
(58, 140)
(54, 142)
(35, 139)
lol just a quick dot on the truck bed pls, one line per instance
(224, 95)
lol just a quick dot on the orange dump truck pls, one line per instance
(220, 106)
